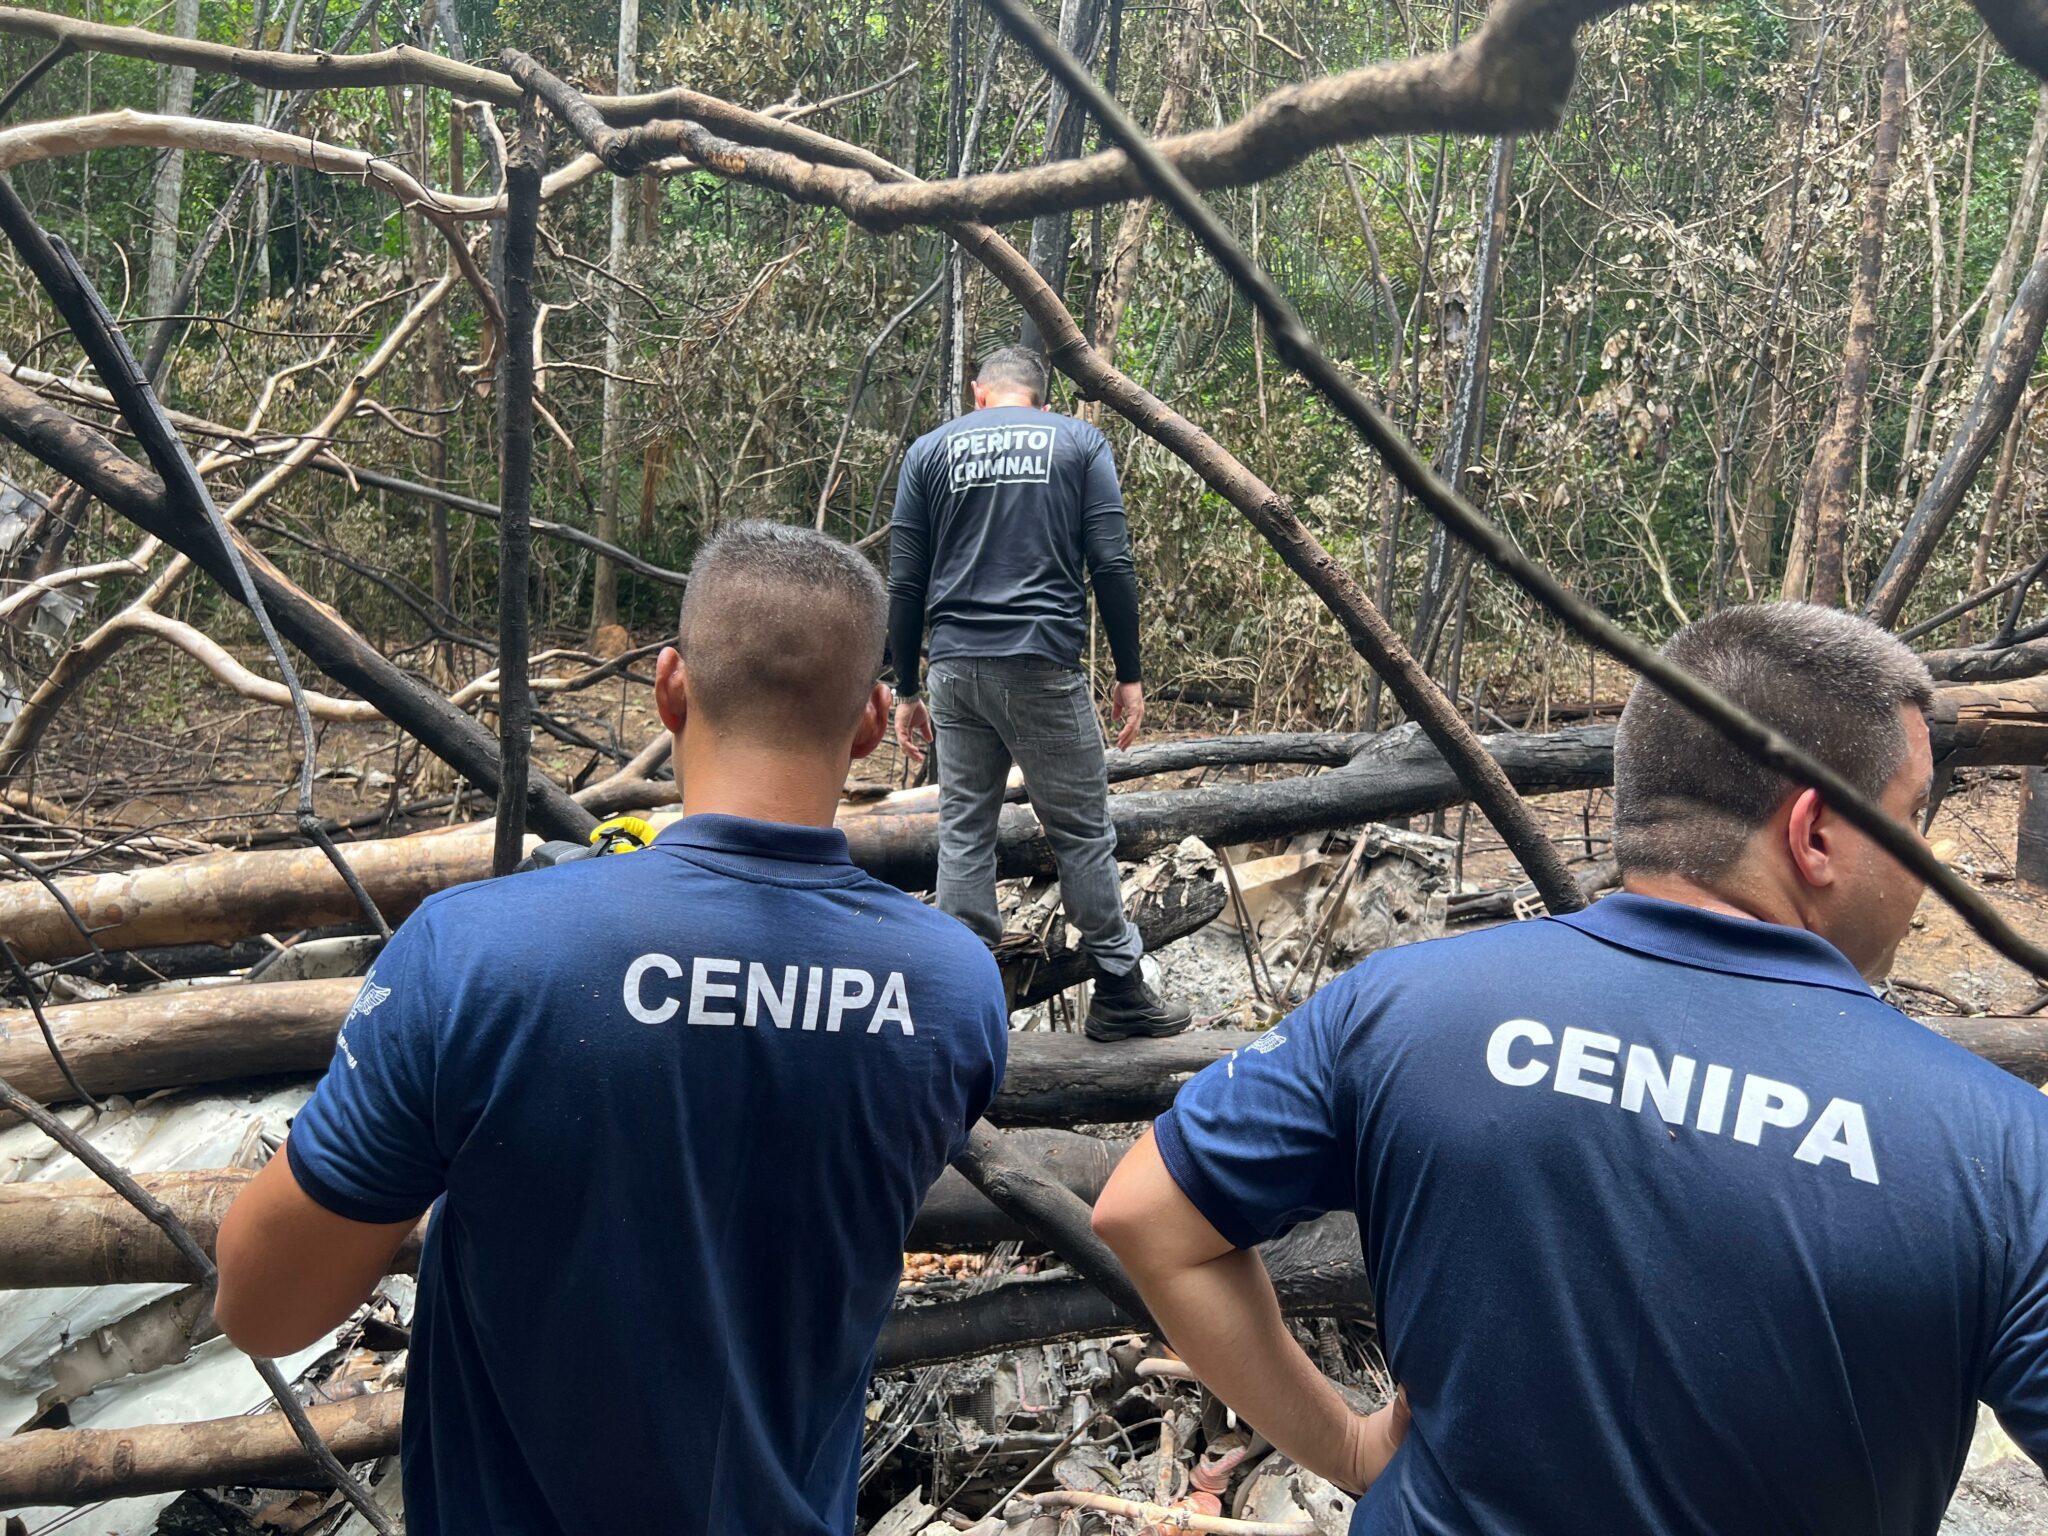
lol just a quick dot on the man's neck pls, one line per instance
(760, 785)
(1731, 898)
(1007, 402)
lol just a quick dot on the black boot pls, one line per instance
(1125, 1008)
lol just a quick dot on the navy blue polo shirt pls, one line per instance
(1673, 1226)
(678, 1108)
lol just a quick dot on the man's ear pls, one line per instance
(980, 395)
(671, 690)
(1810, 829)
(874, 721)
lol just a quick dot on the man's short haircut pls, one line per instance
(1686, 800)
(1014, 368)
(782, 632)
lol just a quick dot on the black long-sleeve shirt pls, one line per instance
(1000, 516)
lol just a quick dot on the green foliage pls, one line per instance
(1669, 327)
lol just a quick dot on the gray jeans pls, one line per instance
(992, 711)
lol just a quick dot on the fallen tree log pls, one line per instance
(84, 1466)
(1988, 663)
(1164, 916)
(222, 897)
(188, 1036)
(219, 898)
(78, 1232)
(1315, 1268)
(1309, 749)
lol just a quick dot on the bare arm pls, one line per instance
(290, 1269)
(1218, 1307)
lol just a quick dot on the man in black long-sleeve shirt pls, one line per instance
(1002, 518)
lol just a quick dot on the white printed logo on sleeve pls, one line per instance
(1271, 1040)
(1584, 1065)
(999, 456)
(368, 996)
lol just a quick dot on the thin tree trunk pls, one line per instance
(1468, 416)
(1815, 570)
(259, 202)
(1052, 233)
(953, 320)
(523, 170)
(1756, 518)
(1994, 511)
(1998, 287)
(1128, 249)
(1998, 394)
(170, 176)
(604, 596)
(434, 389)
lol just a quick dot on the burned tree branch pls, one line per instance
(1988, 663)
(1315, 1268)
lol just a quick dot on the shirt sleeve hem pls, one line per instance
(343, 1204)
(1216, 1207)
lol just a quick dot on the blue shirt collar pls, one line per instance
(757, 839)
(1738, 946)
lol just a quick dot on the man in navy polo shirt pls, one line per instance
(678, 1108)
(1674, 1227)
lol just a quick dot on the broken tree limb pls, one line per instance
(1050, 1212)
(220, 898)
(82, 454)
(184, 1037)
(232, 675)
(78, 1232)
(1312, 749)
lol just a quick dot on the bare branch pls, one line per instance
(123, 129)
